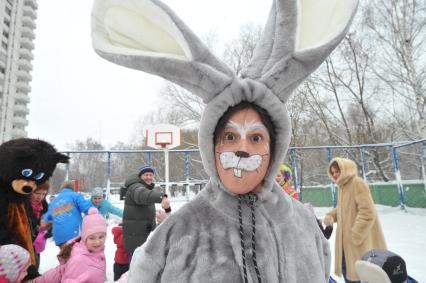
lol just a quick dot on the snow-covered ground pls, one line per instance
(405, 233)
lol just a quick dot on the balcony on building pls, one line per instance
(18, 133)
(22, 86)
(27, 32)
(21, 109)
(27, 43)
(24, 76)
(26, 54)
(31, 3)
(28, 22)
(25, 65)
(19, 121)
(28, 11)
(22, 97)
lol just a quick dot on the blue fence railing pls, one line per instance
(371, 158)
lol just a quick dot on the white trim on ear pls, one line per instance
(371, 273)
(320, 21)
(136, 27)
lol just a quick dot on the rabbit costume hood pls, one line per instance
(220, 238)
(299, 34)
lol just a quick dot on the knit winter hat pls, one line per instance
(97, 192)
(14, 260)
(93, 223)
(145, 169)
(381, 266)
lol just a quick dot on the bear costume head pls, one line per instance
(25, 164)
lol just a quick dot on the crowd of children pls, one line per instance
(82, 259)
(81, 240)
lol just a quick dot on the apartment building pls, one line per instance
(17, 24)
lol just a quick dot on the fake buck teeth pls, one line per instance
(237, 173)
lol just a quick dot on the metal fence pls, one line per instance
(394, 171)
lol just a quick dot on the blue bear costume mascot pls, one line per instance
(24, 164)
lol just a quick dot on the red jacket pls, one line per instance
(121, 256)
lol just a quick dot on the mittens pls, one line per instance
(40, 241)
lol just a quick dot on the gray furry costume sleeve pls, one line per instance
(201, 242)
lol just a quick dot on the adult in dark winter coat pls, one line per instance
(139, 208)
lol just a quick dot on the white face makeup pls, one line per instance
(243, 152)
(231, 160)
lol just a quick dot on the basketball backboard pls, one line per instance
(163, 136)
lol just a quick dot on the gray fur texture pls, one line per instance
(201, 241)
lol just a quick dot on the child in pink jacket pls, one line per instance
(86, 261)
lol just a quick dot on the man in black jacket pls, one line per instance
(139, 208)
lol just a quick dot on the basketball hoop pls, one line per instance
(163, 139)
(163, 136)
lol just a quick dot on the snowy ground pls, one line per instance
(405, 233)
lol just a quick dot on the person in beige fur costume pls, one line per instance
(358, 226)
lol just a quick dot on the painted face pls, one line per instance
(335, 172)
(148, 178)
(38, 196)
(96, 242)
(97, 200)
(242, 152)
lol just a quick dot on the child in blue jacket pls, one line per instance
(65, 213)
(104, 206)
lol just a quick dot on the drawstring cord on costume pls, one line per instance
(250, 199)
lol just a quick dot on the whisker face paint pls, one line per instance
(243, 152)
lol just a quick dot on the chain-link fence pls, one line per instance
(110, 169)
(395, 172)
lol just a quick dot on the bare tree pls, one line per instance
(400, 30)
(237, 55)
(88, 168)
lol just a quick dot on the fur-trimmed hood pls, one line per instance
(348, 170)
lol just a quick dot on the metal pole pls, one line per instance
(166, 161)
(363, 165)
(150, 158)
(186, 173)
(397, 171)
(333, 186)
(109, 170)
(422, 162)
(67, 168)
(187, 167)
(295, 172)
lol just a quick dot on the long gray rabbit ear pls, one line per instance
(298, 37)
(147, 35)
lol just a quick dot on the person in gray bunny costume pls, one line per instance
(241, 227)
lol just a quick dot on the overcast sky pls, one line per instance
(76, 94)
